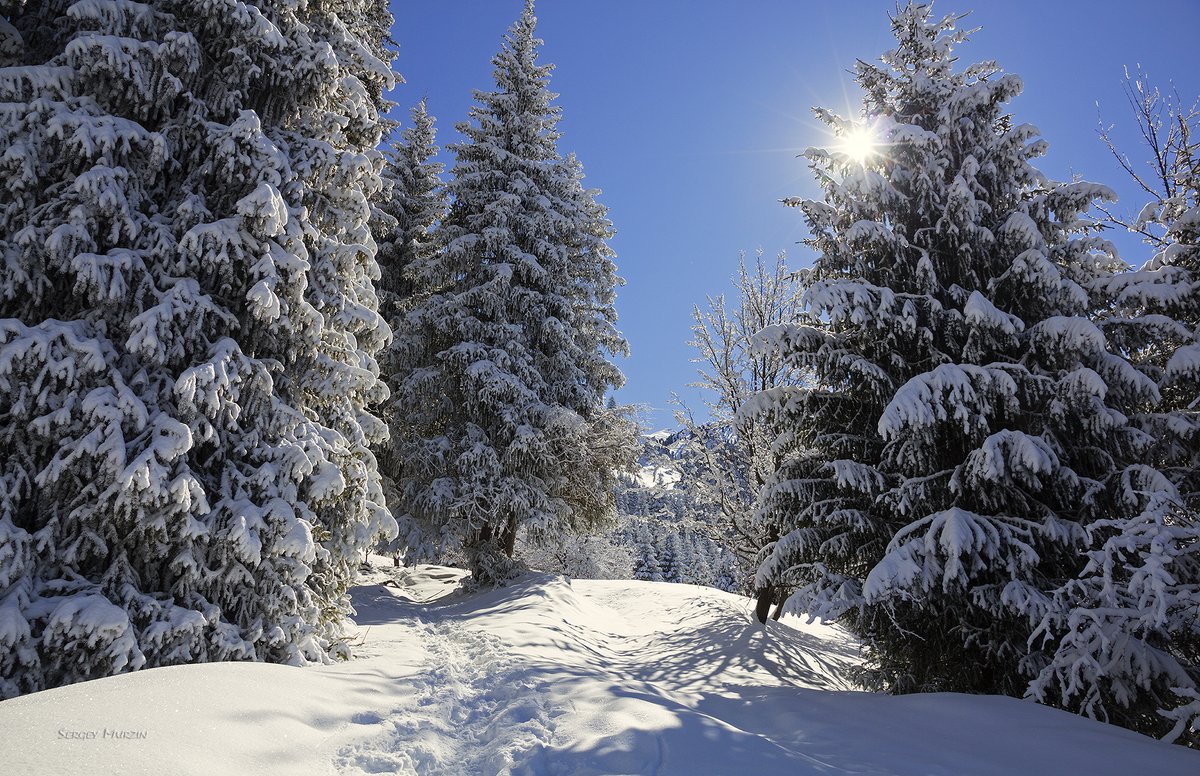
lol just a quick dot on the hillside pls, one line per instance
(668, 526)
(551, 676)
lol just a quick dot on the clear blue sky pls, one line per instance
(690, 114)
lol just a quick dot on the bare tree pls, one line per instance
(735, 448)
(1163, 289)
(1170, 133)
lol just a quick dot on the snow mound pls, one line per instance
(552, 676)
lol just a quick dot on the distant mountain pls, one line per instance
(666, 530)
(667, 520)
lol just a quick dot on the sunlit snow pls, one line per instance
(553, 676)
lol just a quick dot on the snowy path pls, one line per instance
(555, 678)
(469, 713)
(549, 676)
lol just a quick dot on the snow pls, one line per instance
(865, 231)
(1013, 455)
(1023, 230)
(1188, 219)
(1184, 363)
(980, 311)
(665, 477)
(1070, 333)
(552, 676)
(93, 619)
(960, 392)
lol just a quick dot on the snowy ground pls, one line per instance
(553, 677)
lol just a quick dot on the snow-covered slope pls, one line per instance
(551, 676)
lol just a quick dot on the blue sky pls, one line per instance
(690, 114)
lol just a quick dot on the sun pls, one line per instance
(860, 144)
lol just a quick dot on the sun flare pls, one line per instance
(859, 144)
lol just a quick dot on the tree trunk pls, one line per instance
(765, 596)
(508, 539)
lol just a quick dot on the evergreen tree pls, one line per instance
(1127, 635)
(504, 356)
(187, 330)
(1157, 316)
(669, 566)
(413, 203)
(727, 577)
(646, 564)
(968, 434)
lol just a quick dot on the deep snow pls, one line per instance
(550, 676)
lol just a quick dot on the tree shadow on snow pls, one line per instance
(733, 647)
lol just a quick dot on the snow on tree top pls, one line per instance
(1011, 455)
(1069, 333)
(1024, 230)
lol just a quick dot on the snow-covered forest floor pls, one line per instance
(553, 676)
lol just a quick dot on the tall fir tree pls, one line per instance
(969, 434)
(187, 330)
(413, 203)
(505, 356)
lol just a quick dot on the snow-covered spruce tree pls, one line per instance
(414, 199)
(413, 202)
(969, 424)
(1127, 629)
(646, 565)
(504, 356)
(187, 323)
(737, 460)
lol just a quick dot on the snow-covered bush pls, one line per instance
(581, 556)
